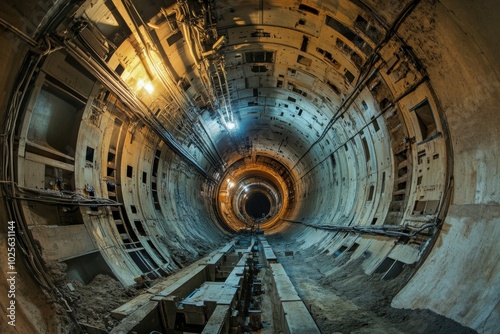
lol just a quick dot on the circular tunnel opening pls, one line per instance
(331, 139)
(257, 205)
(263, 191)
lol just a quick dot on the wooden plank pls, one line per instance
(227, 248)
(298, 320)
(182, 286)
(201, 263)
(48, 161)
(218, 320)
(235, 276)
(284, 287)
(269, 255)
(135, 319)
(217, 292)
(216, 258)
(131, 306)
(89, 329)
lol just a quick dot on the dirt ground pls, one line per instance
(94, 302)
(91, 303)
(339, 295)
(343, 299)
(36, 311)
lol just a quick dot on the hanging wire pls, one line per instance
(385, 230)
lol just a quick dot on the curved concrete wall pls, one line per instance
(460, 278)
(360, 173)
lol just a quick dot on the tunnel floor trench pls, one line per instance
(343, 299)
(337, 293)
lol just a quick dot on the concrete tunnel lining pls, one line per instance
(354, 141)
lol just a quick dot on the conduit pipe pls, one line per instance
(116, 84)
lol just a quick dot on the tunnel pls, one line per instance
(355, 143)
(257, 205)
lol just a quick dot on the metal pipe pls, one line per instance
(388, 230)
(18, 32)
(111, 80)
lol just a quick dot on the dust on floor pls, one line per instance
(91, 304)
(343, 299)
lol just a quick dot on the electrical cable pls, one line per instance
(385, 230)
(365, 74)
(25, 244)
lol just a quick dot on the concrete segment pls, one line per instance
(319, 105)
